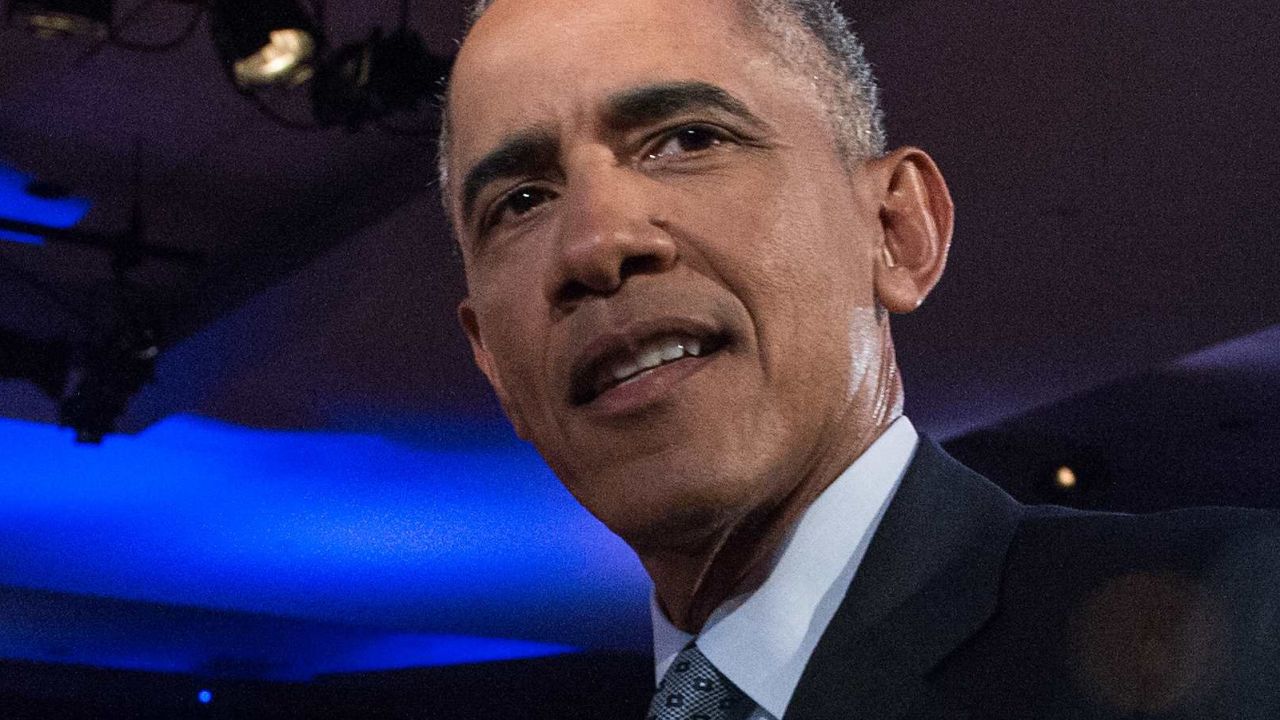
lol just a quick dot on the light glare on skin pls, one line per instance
(769, 236)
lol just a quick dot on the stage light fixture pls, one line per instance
(116, 370)
(367, 81)
(264, 42)
(60, 18)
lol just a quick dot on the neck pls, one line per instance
(693, 580)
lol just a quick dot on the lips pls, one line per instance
(619, 357)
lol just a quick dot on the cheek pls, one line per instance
(513, 333)
(791, 261)
(798, 261)
(788, 227)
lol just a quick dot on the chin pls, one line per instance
(653, 513)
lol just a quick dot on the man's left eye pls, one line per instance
(691, 138)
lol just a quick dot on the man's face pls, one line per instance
(643, 181)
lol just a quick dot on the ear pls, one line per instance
(916, 217)
(484, 360)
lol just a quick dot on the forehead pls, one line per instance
(533, 63)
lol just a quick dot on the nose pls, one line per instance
(611, 230)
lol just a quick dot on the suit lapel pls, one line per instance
(929, 581)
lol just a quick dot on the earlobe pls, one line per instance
(916, 217)
(484, 360)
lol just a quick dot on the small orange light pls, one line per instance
(1066, 478)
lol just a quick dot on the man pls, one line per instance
(683, 238)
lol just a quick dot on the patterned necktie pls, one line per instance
(693, 689)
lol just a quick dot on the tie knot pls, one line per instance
(693, 689)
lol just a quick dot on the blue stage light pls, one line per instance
(467, 545)
(16, 203)
(205, 697)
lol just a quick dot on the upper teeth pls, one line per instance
(653, 354)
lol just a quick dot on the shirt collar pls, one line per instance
(762, 640)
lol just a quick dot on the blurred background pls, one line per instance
(247, 468)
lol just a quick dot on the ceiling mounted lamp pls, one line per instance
(367, 81)
(264, 42)
(62, 18)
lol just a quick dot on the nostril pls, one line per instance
(639, 265)
(573, 291)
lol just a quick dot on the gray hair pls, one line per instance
(814, 40)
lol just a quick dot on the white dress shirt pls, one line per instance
(763, 639)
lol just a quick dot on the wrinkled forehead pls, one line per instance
(536, 63)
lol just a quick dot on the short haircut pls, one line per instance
(813, 39)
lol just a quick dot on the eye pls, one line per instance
(687, 139)
(519, 202)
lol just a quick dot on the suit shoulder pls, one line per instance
(1169, 613)
(1189, 538)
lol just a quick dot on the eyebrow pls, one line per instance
(522, 154)
(530, 151)
(650, 104)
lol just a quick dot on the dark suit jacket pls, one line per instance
(970, 605)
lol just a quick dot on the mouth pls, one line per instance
(625, 360)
